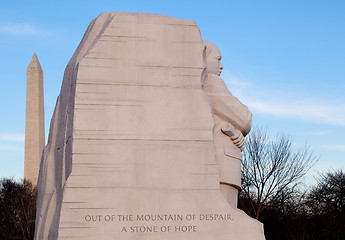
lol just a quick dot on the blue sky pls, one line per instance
(284, 59)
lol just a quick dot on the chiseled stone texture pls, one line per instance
(34, 120)
(132, 136)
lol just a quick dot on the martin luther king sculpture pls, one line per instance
(143, 143)
(232, 123)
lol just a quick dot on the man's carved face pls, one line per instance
(214, 66)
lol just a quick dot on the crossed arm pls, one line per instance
(229, 109)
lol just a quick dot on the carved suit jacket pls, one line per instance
(227, 109)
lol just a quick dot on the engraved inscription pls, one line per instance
(158, 222)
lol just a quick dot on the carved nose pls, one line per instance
(221, 66)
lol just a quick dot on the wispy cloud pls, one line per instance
(12, 137)
(322, 113)
(337, 147)
(236, 85)
(320, 133)
(6, 147)
(22, 29)
(268, 101)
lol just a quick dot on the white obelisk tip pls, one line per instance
(35, 64)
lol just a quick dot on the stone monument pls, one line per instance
(131, 152)
(34, 120)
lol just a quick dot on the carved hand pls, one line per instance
(235, 135)
(238, 139)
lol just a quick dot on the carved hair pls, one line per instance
(210, 46)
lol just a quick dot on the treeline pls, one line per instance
(315, 214)
(275, 194)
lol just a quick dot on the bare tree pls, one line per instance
(270, 167)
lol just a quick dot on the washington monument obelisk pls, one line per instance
(34, 120)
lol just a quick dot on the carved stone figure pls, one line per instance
(232, 122)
